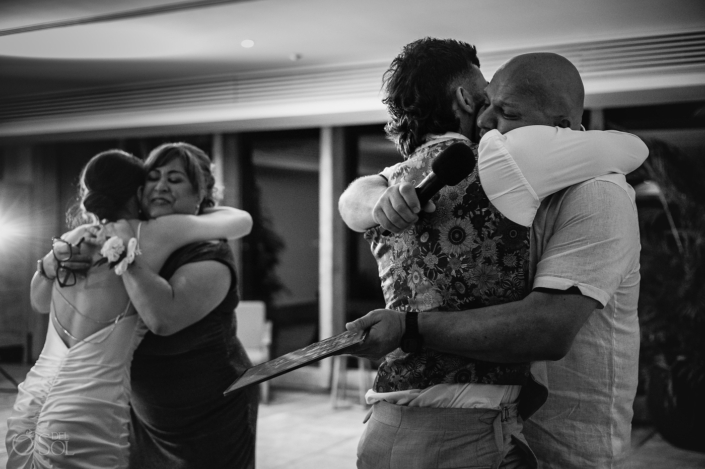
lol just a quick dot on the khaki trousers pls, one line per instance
(401, 437)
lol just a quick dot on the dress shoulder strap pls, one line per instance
(139, 231)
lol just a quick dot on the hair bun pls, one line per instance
(108, 181)
(100, 205)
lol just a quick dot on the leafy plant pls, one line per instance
(672, 296)
(261, 249)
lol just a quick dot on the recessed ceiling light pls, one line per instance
(247, 43)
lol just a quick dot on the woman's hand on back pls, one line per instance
(76, 250)
(121, 228)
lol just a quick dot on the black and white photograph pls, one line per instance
(374, 234)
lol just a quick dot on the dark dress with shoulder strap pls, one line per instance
(180, 418)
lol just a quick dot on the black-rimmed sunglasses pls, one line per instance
(64, 276)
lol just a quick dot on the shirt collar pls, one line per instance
(433, 138)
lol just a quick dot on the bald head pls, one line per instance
(534, 89)
(552, 80)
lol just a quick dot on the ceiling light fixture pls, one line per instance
(247, 43)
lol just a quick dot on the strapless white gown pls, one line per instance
(72, 410)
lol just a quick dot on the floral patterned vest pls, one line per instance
(464, 255)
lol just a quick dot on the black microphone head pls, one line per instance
(454, 164)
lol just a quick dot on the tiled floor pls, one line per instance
(299, 430)
(302, 430)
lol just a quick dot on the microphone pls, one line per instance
(450, 167)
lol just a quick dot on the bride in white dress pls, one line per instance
(72, 410)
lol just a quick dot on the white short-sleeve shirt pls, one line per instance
(587, 236)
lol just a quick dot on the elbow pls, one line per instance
(162, 330)
(347, 209)
(39, 308)
(342, 207)
(157, 327)
(553, 323)
(247, 224)
(154, 326)
(638, 153)
(244, 225)
(553, 350)
(555, 353)
(548, 342)
(644, 153)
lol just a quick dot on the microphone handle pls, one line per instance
(425, 191)
(428, 188)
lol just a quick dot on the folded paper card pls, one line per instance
(336, 345)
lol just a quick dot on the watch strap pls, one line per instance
(411, 341)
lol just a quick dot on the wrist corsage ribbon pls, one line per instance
(119, 257)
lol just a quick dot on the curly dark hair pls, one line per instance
(418, 88)
(197, 164)
(107, 182)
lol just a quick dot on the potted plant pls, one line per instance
(672, 295)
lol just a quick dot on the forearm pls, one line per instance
(356, 204)
(236, 222)
(540, 327)
(552, 159)
(167, 306)
(40, 293)
(483, 334)
(151, 296)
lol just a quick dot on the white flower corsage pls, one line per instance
(114, 251)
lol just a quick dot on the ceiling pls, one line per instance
(205, 39)
(56, 48)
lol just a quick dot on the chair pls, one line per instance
(340, 375)
(10, 346)
(8, 377)
(255, 333)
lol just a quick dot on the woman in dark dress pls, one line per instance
(180, 418)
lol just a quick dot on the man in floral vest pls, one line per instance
(457, 283)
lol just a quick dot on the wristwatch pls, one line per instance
(411, 341)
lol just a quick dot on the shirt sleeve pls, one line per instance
(387, 172)
(594, 239)
(522, 167)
